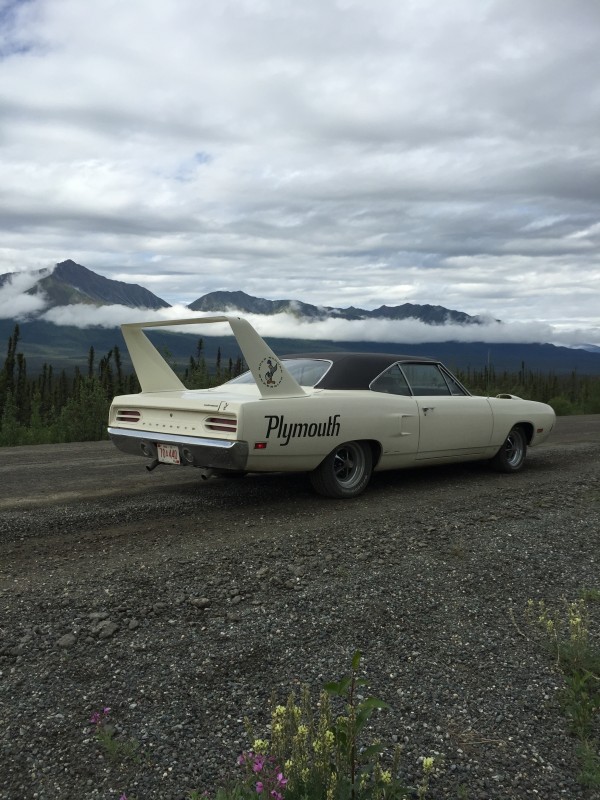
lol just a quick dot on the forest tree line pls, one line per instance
(52, 407)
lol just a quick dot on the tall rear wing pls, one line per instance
(155, 375)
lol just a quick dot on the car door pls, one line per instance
(397, 416)
(452, 423)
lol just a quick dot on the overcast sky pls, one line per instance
(357, 152)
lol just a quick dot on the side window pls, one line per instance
(455, 387)
(425, 379)
(392, 381)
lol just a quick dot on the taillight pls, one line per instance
(228, 424)
(128, 415)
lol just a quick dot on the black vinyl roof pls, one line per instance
(356, 370)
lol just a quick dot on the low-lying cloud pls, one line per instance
(288, 326)
(15, 303)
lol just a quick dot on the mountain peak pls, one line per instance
(70, 283)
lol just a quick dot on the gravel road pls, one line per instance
(183, 605)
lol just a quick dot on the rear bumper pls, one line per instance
(193, 451)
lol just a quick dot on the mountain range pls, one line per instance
(70, 283)
(74, 286)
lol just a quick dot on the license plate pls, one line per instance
(167, 454)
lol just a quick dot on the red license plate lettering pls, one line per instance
(168, 454)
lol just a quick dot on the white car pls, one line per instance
(337, 416)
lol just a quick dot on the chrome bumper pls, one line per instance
(193, 451)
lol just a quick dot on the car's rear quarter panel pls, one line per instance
(300, 432)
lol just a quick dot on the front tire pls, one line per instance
(345, 472)
(511, 456)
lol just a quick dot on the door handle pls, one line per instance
(428, 408)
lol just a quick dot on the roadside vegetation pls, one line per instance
(568, 635)
(321, 750)
(52, 406)
(326, 750)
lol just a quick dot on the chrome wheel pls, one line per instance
(349, 465)
(511, 456)
(345, 472)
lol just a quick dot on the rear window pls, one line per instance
(307, 371)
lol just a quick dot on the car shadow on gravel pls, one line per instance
(281, 489)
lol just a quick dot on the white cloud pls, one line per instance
(15, 303)
(109, 316)
(287, 326)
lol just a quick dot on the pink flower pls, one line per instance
(259, 787)
(259, 762)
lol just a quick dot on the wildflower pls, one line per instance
(427, 764)
(259, 787)
(98, 717)
(260, 746)
(258, 763)
(281, 781)
(386, 776)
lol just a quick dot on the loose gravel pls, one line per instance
(184, 612)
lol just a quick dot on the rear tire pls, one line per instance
(511, 456)
(345, 472)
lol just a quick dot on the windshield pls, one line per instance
(307, 371)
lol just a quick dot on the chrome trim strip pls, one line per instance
(171, 438)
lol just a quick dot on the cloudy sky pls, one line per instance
(340, 152)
